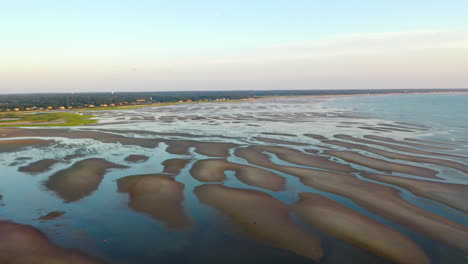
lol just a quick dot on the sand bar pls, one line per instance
(212, 170)
(393, 155)
(22, 244)
(158, 195)
(453, 195)
(341, 222)
(80, 180)
(379, 164)
(380, 199)
(174, 166)
(261, 216)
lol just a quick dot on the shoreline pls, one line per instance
(134, 106)
(82, 112)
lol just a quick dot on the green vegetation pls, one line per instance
(44, 119)
(119, 100)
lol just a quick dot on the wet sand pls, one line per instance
(279, 141)
(341, 222)
(157, 195)
(393, 155)
(212, 170)
(381, 165)
(391, 140)
(51, 216)
(73, 156)
(39, 166)
(211, 149)
(136, 158)
(22, 244)
(261, 216)
(303, 159)
(278, 134)
(396, 147)
(80, 180)
(377, 198)
(265, 217)
(174, 166)
(18, 144)
(76, 134)
(315, 136)
(431, 142)
(453, 195)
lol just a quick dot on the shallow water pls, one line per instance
(103, 223)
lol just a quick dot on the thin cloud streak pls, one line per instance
(418, 59)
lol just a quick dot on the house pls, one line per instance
(91, 106)
(181, 101)
(62, 107)
(27, 109)
(16, 109)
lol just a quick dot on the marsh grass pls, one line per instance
(45, 119)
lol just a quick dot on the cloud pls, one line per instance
(416, 59)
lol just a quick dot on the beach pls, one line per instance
(276, 180)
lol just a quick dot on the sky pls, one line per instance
(130, 45)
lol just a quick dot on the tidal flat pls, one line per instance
(278, 180)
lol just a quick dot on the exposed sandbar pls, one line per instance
(77, 134)
(22, 244)
(262, 217)
(403, 126)
(39, 166)
(136, 158)
(51, 216)
(453, 195)
(212, 149)
(278, 134)
(280, 141)
(212, 170)
(315, 136)
(380, 199)
(304, 159)
(396, 147)
(393, 155)
(157, 195)
(380, 164)
(18, 144)
(430, 141)
(73, 156)
(391, 140)
(80, 180)
(375, 129)
(174, 166)
(411, 124)
(357, 229)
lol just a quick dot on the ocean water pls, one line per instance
(135, 237)
(445, 113)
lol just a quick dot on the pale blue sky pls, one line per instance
(189, 45)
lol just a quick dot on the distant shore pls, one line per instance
(121, 101)
(23, 105)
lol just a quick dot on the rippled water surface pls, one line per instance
(362, 179)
